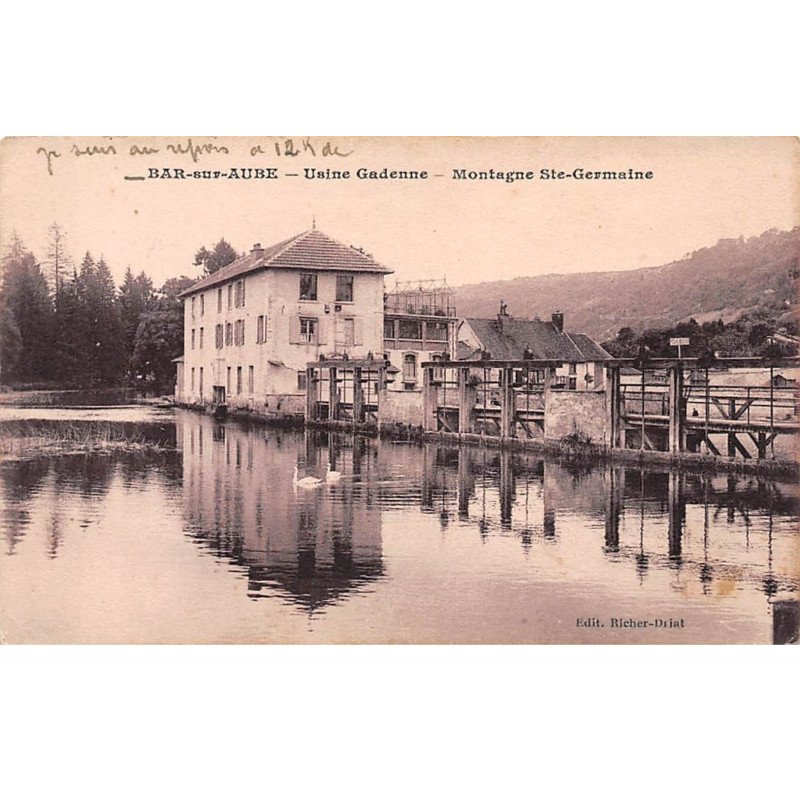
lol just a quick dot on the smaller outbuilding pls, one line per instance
(505, 338)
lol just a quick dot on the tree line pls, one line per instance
(68, 325)
(752, 334)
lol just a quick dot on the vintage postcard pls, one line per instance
(293, 389)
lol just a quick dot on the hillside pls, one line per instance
(725, 280)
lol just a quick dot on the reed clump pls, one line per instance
(26, 438)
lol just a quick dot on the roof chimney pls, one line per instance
(257, 250)
(558, 321)
(502, 315)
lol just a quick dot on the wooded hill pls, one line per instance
(724, 281)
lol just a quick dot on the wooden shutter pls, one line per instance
(358, 330)
(294, 329)
(323, 333)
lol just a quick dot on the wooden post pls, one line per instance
(430, 400)
(731, 436)
(466, 481)
(506, 489)
(507, 398)
(676, 511)
(614, 406)
(677, 417)
(428, 475)
(642, 437)
(333, 394)
(614, 490)
(771, 410)
(785, 621)
(548, 509)
(311, 394)
(467, 395)
(549, 372)
(358, 396)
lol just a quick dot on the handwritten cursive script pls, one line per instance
(283, 148)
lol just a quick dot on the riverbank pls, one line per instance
(66, 398)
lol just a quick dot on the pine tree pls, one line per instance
(58, 258)
(27, 306)
(72, 333)
(10, 343)
(91, 334)
(136, 297)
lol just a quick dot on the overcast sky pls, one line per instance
(702, 190)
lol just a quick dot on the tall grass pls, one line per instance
(33, 437)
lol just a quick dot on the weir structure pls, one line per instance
(345, 390)
(674, 405)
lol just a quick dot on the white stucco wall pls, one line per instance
(276, 362)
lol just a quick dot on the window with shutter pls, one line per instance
(409, 368)
(323, 330)
(345, 333)
(308, 330)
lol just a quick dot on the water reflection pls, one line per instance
(316, 546)
(413, 543)
(311, 547)
(520, 484)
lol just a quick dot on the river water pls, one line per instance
(207, 539)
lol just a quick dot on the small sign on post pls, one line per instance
(680, 341)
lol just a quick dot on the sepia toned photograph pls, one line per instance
(331, 390)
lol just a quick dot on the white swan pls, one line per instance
(306, 482)
(331, 476)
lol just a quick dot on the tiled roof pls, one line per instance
(311, 250)
(541, 338)
(589, 347)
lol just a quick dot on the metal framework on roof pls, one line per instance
(432, 297)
